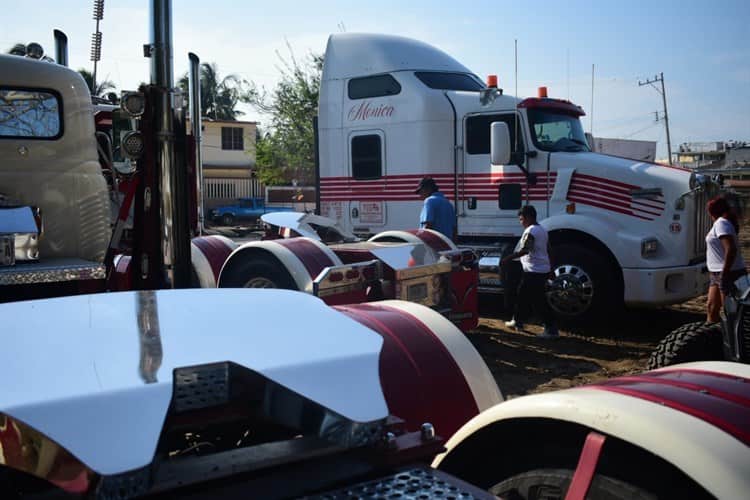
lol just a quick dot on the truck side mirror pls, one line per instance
(499, 143)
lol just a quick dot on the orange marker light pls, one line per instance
(542, 92)
(492, 81)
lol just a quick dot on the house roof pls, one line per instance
(207, 119)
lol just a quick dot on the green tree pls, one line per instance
(102, 88)
(285, 152)
(219, 96)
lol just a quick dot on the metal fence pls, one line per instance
(220, 190)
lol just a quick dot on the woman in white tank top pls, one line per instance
(723, 256)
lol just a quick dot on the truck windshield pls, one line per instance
(556, 131)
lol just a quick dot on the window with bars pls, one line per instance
(232, 138)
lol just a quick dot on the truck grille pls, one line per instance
(702, 223)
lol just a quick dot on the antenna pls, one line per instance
(96, 40)
(515, 121)
(591, 122)
(663, 93)
(568, 70)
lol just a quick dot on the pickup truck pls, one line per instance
(245, 209)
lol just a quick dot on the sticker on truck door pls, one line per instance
(332, 209)
(371, 212)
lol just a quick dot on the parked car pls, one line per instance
(246, 210)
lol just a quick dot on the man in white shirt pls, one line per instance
(535, 261)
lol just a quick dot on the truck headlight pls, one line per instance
(133, 145)
(133, 102)
(649, 246)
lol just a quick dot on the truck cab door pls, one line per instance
(367, 185)
(492, 194)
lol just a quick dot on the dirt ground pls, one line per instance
(523, 364)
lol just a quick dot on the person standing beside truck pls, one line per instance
(535, 262)
(723, 257)
(437, 212)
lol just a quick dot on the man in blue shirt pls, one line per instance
(437, 211)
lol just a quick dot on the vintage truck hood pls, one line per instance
(95, 372)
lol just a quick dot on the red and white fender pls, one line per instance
(303, 258)
(431, 238)
(208, 254)
(429, 371)
(694, 416)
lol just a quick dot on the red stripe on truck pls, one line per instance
(421, 381)
(718, 399)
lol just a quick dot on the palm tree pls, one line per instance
(101, 88)
(219, 96)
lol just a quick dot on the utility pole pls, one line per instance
(96, 41)
(663, 93)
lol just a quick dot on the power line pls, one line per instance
(641, 130)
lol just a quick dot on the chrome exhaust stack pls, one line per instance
(196, 115)
(171, 164)
(61, 48)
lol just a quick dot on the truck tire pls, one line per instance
(259, 273)
(691, 342)
(227, 220)
(584, 288)
(554, 483)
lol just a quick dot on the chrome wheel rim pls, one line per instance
(260, 282)
(571, 292)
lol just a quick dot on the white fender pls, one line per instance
(616, 237)
(711, 456)
(290, 255)
(208, 254)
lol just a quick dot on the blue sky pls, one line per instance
(703, 49)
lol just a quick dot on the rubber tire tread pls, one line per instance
(227, 219)
(602, 487)
(691, 342)
(269, 268)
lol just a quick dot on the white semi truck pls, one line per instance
(393, 110)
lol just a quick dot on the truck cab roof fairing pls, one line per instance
(351, 55)
(74, 367)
